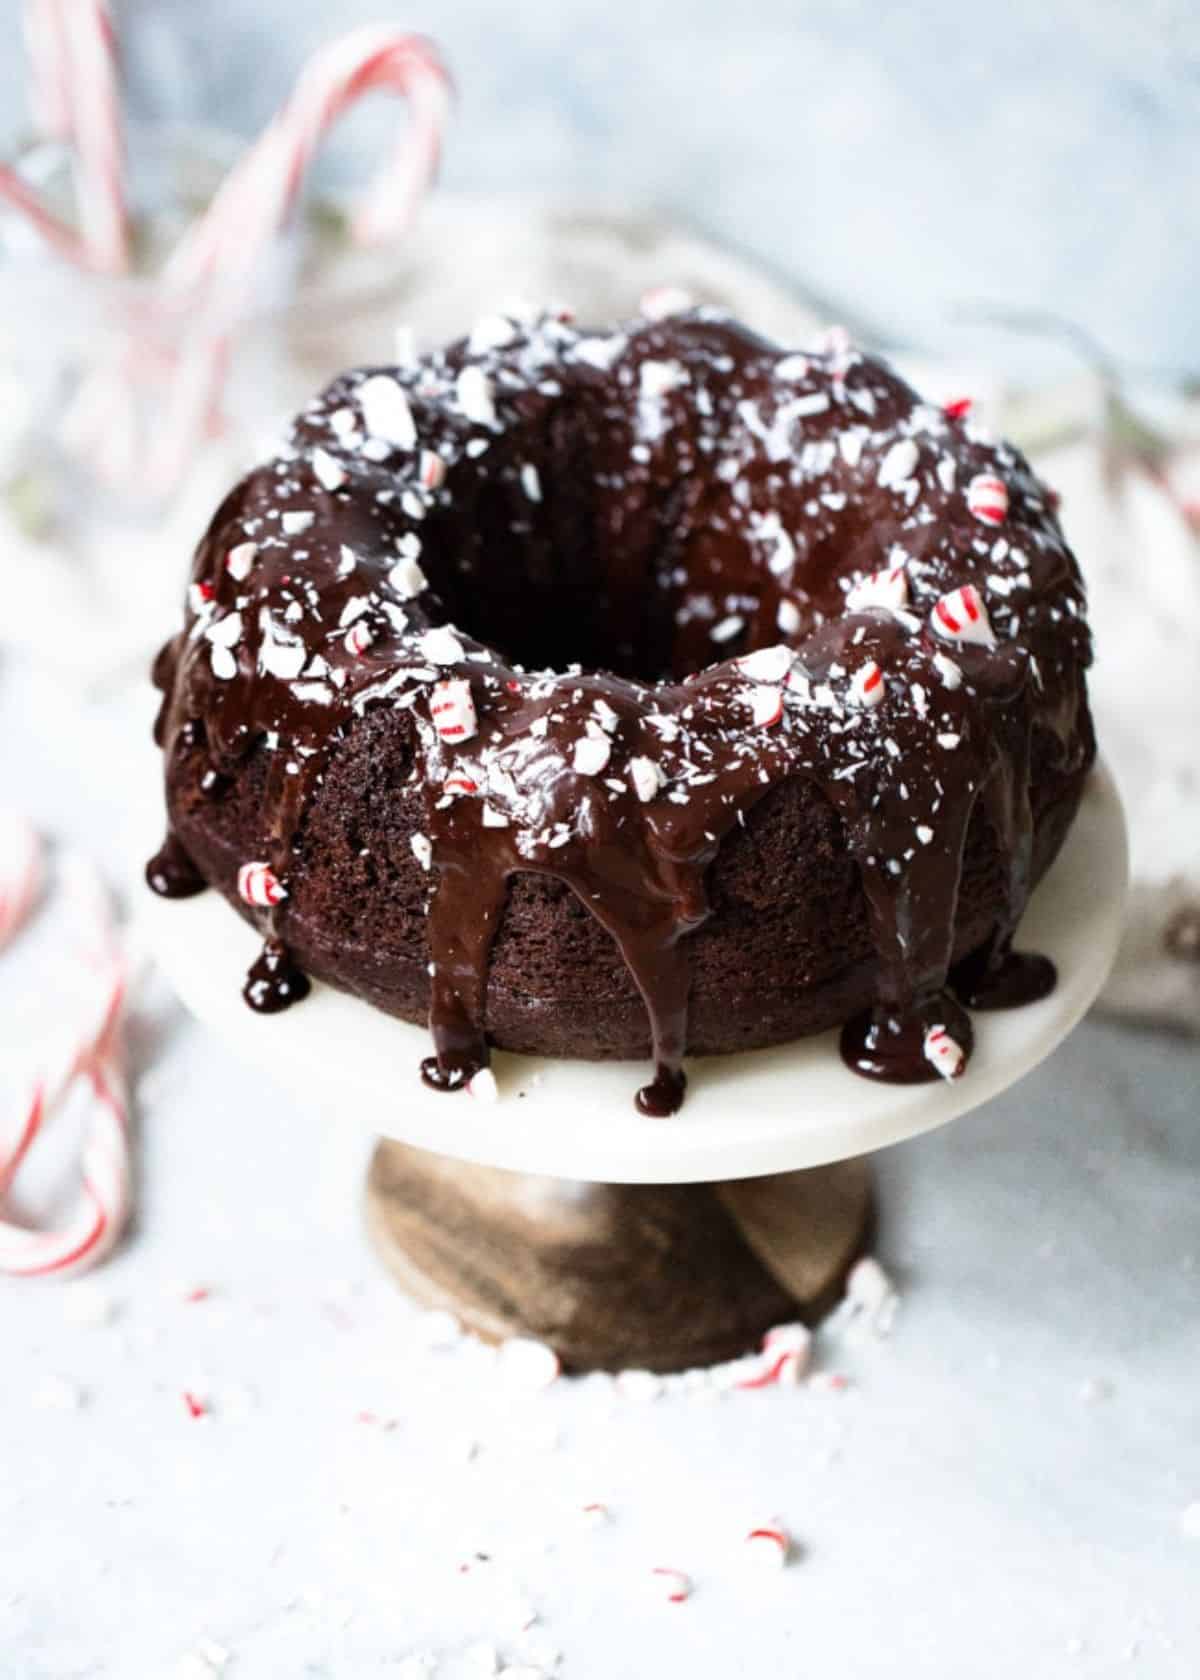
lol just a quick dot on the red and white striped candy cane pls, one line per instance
(213, 269)
(20, 871)
(225, 246)
(57, 234)
(76, 97)
(86, 1065)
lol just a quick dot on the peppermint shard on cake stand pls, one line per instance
(650, 693)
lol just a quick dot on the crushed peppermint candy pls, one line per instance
(961, 616)
(422, 850)
(770, 1545)
(453, 710)
(899, 464)
(646, 777)
(888, 589)
(867, 686)
(239, 562)
(671, 1584)
(258, 884)
(440, 646)
(407, 579)
(943, 1053)
(766, 706)
(987, 498)
(493, 332)
(431, 471)
(768, 665)
(474, 392)
(591, 754)
(386, 413)
(329, 472)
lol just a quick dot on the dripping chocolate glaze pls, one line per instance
(429, 522)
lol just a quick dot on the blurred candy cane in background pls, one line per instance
(143, 408)
(211, 276)
(79, 1075)
(75, 94)
(76, 98)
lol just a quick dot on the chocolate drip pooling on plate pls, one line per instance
(752, 587)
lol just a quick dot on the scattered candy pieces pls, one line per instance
(766, 665)
(239, 562)
(330, 473)
(871, 1295)
(770, 1546)
(868, 1285)
(385, 410)
(453, 710)
(671, 1584)
(830, 1382)
(961, 616)
(431, 473)
(475, 397)
(422, 850)
(796, 1339)
(944, 1053)
(359, 637)
(867, 686)
(987, 498)
(258, 884)
(887, 589)
(773, 1368)
(591, 755)
(482, 1086)
(646, 777)
(766, 706)
(526, 1363)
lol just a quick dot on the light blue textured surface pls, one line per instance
(908, 162)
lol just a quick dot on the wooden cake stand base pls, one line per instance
(657, 1276)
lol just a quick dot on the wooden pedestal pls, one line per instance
(614, 1275)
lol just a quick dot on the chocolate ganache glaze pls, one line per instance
(448, 661)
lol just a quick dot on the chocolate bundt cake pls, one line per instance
(652, 691)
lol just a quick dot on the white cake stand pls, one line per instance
(513, 1215)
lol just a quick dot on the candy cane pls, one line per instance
(56, 233)
(88, 1063)
(214, 266)
(20, 872)
(76, 96)
(45, 51)
(259, 194)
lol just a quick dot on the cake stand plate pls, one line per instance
(562, 1212)
(763, 1111)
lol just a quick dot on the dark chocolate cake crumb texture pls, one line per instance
(587, 609)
